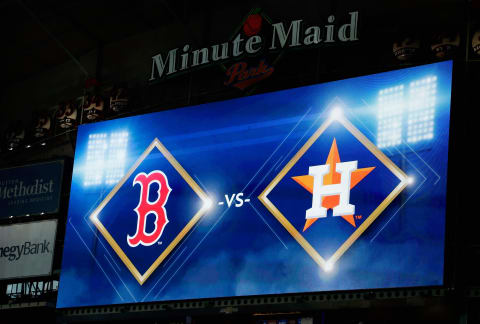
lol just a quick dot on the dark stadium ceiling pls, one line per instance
(79, 26)
(37, 35)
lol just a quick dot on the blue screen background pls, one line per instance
(238, 146)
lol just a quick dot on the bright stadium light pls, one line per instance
(336, 113)
(96, 150)
(117, 151)
(328, 266)
(409, 120)
(106, 156)
(421, 109)
(390, 116)
(207, 203)
(410, 180)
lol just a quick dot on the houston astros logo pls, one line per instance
(145, 207)
(330, 186)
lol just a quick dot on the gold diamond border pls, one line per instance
(326, 265)
(196, 188)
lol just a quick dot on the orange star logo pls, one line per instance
(333, 177)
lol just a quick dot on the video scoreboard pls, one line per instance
(333, 186)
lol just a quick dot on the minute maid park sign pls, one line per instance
(283, 36)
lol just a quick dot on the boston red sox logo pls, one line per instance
(151, 244)
(145, 207)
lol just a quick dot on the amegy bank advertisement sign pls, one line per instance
(26, 250)
(31, 189)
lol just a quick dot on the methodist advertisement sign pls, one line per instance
(26, 250)
(30, 189)
(335, 186)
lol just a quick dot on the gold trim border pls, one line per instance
(326, 265)
(141, 278)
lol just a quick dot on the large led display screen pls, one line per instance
(335, 186)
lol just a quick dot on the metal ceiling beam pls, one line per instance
(59, 43)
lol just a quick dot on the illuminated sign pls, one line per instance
(26, 250)
(250, 41)
(30, 189)
(335, 186)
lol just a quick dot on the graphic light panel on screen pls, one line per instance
(116, 157)
(390, 115)
(105, 161)
(421, 109)
(406, 117)
(96, 149)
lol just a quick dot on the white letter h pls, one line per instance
(320, 190)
